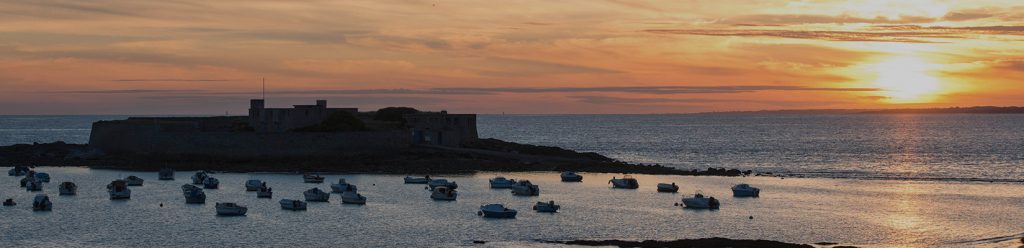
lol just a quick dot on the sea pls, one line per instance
(892, 180)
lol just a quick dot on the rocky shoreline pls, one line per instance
(484, 155)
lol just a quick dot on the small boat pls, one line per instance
(312, 178)
(18, 171)
(43, 177)
(496, 211)
(546, 207)
(442, 182)
(264, 192)
(24, 180)
(525, 188)
(118, 189)
(67, 188)
(316, 195)
(134, 181)
(34, 184)
(417, 180)
(166, 174)
(42, 203)
(199, 177)
(745, 190)
(351, 197)
(668, 187)
(292, 204)
(253, 185)
(443, 193)
(502, 183)
(626, 182)
(9, 202)
(230, 209)
(211, 183)
(193, 194)
(699, 201)
(571, 176)
(342, 186)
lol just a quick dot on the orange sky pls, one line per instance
(588, 56)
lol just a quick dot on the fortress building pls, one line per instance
(271, 132)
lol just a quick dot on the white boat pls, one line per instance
(745, 190)
(316, 195)
(118, 189)
(42, 203)
(502, 183)
(264, 192)
(626, 182)
(9, 202)
(34, 184)
(525, 188)
(496, 211)
(546, 207)
(417, 180)
(67, 188)
(211, 183)
(351, 197)
(253, 185)
(42, 176)
(700, 201)
(18, 171)
(292, 204)
(166, 174)
(443, 193)
(342, 186)
(199, 177)
(134, 181)
(193, 194)
(231, 209)
(312, 178)
(571, 176)
(668, 187)
(442, 182)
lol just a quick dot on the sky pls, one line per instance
(516, 57)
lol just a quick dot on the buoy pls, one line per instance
(751, 217)
(161, 205)
(479, 213)
(675, 204)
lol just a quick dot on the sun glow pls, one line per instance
(907, 80)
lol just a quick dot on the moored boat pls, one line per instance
(351, 197)
(546, 207)
(312, 178)
(525, 188)
(264, 191)
(165, 174)
(443, 193)
(496, 211)
(42, 203)
(67, 188)
(316, 195)
(18, 171)
(211, 183)
(118, 189)
(253, 185)
(9, 202)
(442, 182)
(571, 176)
(626, 182)
(34, 184)
(42, 176)
(745, 190)
(134, 181)
(502, 183)
(199, 177)
(417, 180)
(668, 187)
(699, 201)
(193, 194)
(342, 186)
(289, 204)
(230, 209)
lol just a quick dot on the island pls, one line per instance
(305, 138)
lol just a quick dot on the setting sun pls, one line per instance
(907, 80)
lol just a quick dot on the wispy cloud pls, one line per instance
(170, 80)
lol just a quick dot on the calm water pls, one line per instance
(847, 211)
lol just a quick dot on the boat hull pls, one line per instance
(746, 193)
(293, 205)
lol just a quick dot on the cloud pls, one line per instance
(610, 100)
(658, 90)
(169, 80)
(128, 91)
(881, 36)
(778, 20)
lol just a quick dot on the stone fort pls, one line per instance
(271, 132)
